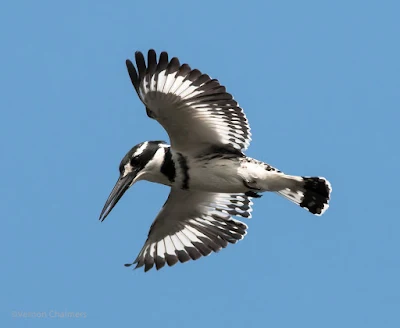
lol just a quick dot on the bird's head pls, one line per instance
(135, 165)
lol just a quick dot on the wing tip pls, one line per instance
(133, 75)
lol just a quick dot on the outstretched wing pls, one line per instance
(195, 110)
(192, 224)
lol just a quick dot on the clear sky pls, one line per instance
(319, 82)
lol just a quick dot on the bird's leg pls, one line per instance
(251, 184)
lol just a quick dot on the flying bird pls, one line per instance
(210, 177)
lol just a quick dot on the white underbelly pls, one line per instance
(222, 177)
(231, 176)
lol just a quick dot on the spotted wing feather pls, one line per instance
(196, 111)
(193, 224)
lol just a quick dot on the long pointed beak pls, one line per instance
(119, 189)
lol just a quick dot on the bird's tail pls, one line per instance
(311, 193)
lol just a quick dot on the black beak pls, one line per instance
(119, 189)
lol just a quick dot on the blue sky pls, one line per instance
(319, 82)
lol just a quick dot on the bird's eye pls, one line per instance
(134, 161)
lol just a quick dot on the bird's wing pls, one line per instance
(195, 110)
(192, 224)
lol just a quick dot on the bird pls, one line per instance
(212, 182)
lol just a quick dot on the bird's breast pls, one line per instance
(212, 174)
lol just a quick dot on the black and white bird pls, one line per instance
(211, 178)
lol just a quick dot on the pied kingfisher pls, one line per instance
(211, 179)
